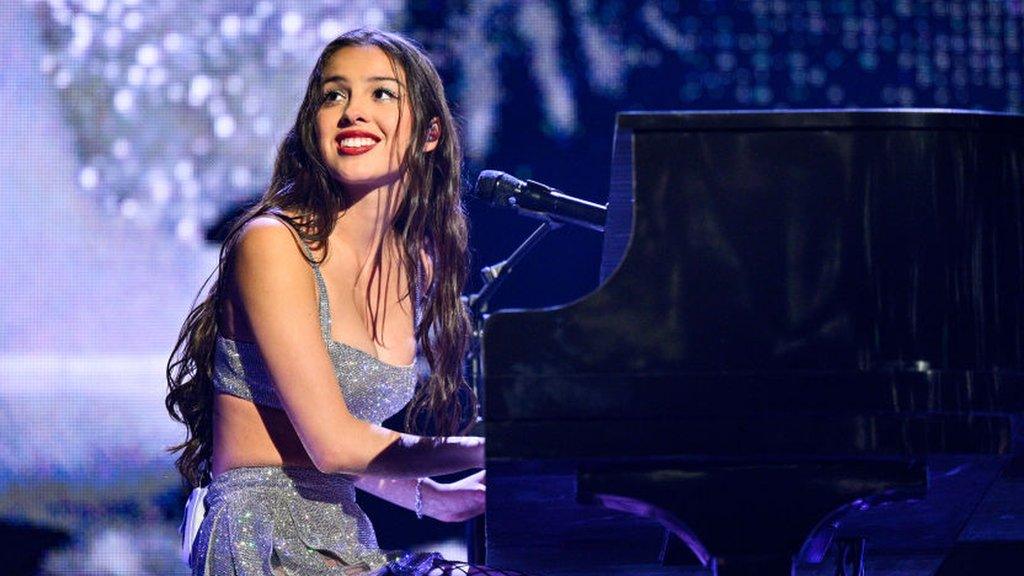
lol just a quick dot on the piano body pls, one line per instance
(806, 350)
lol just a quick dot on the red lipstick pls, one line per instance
(355, 142)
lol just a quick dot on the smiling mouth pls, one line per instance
(353, 145)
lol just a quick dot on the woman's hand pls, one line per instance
(456, 501)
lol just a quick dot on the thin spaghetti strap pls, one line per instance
(417, 297)
(298, 238)
(323, 306)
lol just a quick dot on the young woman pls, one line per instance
(353, 260)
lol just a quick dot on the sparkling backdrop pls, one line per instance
(177, 112)
(178, 107)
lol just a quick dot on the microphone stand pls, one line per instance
(494, 276)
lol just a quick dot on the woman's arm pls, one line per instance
(452, 502)
(277, 291)
(399, 491)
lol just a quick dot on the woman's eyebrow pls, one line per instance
(385, 79)
(344, 80)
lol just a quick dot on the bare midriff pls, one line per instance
(245, 434)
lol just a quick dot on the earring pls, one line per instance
(433, 133)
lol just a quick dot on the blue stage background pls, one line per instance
(131, 127)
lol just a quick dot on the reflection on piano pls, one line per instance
(805, 355)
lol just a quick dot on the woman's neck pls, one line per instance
(366, 221)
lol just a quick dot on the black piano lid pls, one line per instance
(822, 119)
(910, 249)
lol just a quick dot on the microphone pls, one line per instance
(536, 200)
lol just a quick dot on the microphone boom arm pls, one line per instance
(531, 198)
(559, 207)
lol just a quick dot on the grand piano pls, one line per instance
(804, 357)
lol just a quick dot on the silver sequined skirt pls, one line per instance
(289, 521)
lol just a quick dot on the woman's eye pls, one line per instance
(333, 96)
(384, 94)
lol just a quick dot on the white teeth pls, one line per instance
(357, 142)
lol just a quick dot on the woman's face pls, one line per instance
(364, 124)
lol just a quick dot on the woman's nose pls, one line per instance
(355, 110)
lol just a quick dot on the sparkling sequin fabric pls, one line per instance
(373, 390)
(292, 521)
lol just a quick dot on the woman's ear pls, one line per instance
(433, 135)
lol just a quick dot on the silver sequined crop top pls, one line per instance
(373, 390)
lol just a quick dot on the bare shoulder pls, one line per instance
(267, 256)
(266, 240)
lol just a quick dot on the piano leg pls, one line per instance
(719, 510)
(850, 557)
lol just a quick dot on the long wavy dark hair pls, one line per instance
(429, 219)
